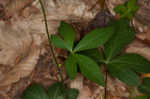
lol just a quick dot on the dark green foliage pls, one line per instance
(55, 91)
(68, 34)
(145, 86)
(71, 66)
(92, 39)
(58, 91)
(133, 61)
(125, 75)
(142, 97)
(90, 69)
(127, 10)
(95, 54)
(114, 38)
(35, 91)
(123, 35)
(71, 93)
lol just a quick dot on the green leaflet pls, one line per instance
(145, 86)
(94, 39)
(133, 61)
(90, 69)
(68, 33)
(123, 36)
(35, 91)
(58, 42)
(71, 66)
(125, 75)
(95, 54)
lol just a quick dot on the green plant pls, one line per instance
(127, 10)
(89, 59)
(114, 38)
(55, 91)
(89, 68)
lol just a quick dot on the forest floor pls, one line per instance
(24, 12)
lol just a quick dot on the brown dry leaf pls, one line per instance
(14, 43)
(22, 39)
(148, 35)
(14, 6)
(111, 4)
(137, 47)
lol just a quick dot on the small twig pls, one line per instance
(49, 39)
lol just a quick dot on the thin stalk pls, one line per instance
(49, 39)
(106, 74)
(132, 91)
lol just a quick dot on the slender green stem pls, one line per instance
(49, 38)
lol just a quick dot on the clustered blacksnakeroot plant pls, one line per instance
(86, 56)
(126, 66)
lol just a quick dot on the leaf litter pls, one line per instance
(25, 51)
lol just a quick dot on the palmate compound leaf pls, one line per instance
(123, 35)
(68, 33)
(35, 91)
(133, 61)
(71, 66)
(94, 39)
(90, 69)
(125, 75)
